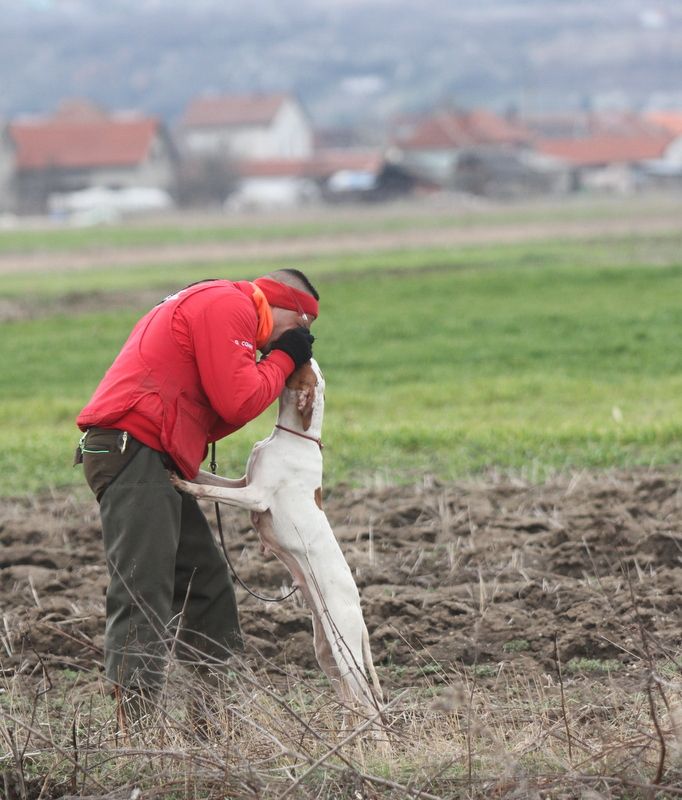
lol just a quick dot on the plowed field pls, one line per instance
(477, 574)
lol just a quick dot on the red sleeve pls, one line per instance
(223, 332)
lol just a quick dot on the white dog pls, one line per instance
(283, 490)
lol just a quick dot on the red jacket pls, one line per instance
(188, 374)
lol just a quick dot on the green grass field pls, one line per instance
(529, 358)
(56, 237)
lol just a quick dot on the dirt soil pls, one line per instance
(462, 575)
(334, 244)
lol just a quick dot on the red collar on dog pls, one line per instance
(317, 441)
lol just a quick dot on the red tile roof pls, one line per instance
(321, 165)
(670, 121)
(491, 128)
(444, 132)
(273, 168)
(598, 150)
(327, 162)
(230, 110)
(452, 130)
(85, 143)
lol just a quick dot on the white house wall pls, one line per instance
(250, 142)
(236, 142)
(150, 175)
(673, 153)
(206, 141)
(6, 174)
(291, 134)
(272, 192)
(288, 136)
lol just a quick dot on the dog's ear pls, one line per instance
(302, 376)
(305, 397)
(303, 382)
(304, 402)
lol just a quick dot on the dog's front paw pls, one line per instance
(260, 506)
(178, 482)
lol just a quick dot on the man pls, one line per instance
(187, 376)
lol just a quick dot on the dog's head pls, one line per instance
(307, 383)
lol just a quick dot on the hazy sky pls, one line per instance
(345, 58)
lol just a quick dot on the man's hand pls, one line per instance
(296, 343)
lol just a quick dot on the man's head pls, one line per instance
(298, 299)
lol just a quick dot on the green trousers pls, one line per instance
(170, 589)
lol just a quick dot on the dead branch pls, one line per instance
(564, 715)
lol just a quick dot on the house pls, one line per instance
(246, 128)
(81, 147)
(507, 174)
(602, 151)
(287, 183)
(432, 145)
(671, 123)
(608, 150)
(666, 171)
(607, 161)
(350, 176)
(6, 172)
(272, 184)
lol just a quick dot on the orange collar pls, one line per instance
(265, 324)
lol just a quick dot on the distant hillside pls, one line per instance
(348, 60)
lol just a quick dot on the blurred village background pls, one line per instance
(151, 107)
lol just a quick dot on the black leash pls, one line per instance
(213, 466)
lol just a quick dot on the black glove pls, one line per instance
(297, 343)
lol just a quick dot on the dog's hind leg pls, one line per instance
(299, 572)
(323, 652)
(312, 555)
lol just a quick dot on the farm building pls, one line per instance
(246, 127)
(7, 198)
(504, 173)
(666, 172)
(609, 162)
(334, 174)
(81, 147)
(616, 151)
(432, 146)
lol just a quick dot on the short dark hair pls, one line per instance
(298, 275)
